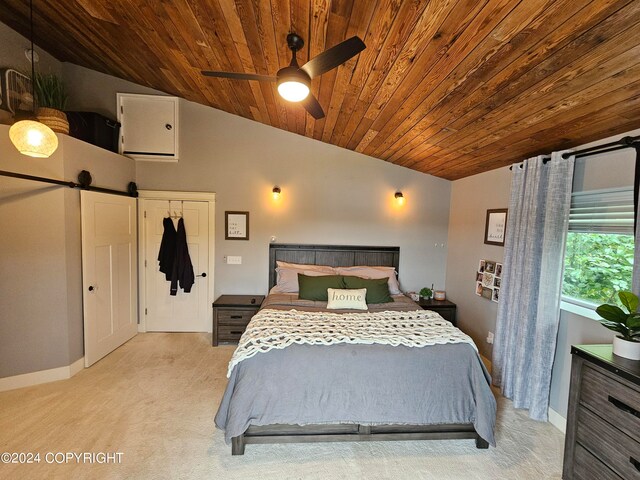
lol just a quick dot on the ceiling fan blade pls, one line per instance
(312, 106)
(240, 76)
(333, 57)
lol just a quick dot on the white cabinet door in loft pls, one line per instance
(149, 127)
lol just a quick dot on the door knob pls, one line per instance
(203, 274)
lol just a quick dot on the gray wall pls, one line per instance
(40, 266)
(329, 195)
(470, 199)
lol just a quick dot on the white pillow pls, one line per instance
(287, 279)
(373, 272)
(354, 299)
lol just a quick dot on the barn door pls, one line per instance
(109, 272)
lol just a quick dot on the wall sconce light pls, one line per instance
(399, 198)
(276, 192)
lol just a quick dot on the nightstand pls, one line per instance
(231, 314)
(445, 308)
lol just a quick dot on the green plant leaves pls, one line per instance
(612, 313)
(614, 318)
(50, 92)
(629, 300)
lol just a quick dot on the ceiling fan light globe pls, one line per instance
(293, 91)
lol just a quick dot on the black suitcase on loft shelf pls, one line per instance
(94, 128)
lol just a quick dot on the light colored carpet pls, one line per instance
(154, 400)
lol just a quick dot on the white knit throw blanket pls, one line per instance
(277, 329)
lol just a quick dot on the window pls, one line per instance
(600, 246)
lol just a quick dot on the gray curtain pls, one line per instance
(529, 307)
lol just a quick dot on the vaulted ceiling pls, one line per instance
(446, 87)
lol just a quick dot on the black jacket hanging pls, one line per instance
(182, 268)
(167, 253)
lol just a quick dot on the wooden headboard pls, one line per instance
(332, 255)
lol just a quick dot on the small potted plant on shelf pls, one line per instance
(627, 343)
(426, 293)
(51, 100)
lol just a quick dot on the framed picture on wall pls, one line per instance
(495, 227)
(236, 225)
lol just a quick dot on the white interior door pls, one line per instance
(184, 312)
(109, 272)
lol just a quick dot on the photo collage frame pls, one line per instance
(489, 280)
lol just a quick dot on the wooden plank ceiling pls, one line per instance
(446, 87)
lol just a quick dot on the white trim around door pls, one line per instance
(171, 195)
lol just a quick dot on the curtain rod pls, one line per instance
(84, 183)
(624, 142)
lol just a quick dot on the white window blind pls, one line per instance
(602, 211)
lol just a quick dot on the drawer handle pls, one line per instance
(236, 316)
(635, 463)
(624, 407)
(236, 333)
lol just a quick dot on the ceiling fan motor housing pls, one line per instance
(295, 42)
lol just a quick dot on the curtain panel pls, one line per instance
(529, 307)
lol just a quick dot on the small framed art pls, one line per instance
(495, 227)
(236, 225)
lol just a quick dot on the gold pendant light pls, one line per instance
(29, 136)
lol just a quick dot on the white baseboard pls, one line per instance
(557, 420)
(42, 376)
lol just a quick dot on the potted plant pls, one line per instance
(51, 100)
(426, 293)
(627, 343)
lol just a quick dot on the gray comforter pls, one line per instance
(362, 384)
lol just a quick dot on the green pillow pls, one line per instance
(315, 288)
(377, 288)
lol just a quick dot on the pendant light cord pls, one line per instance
(33, 63)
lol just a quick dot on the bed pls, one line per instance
(353, 391)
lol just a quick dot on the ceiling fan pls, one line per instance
(294, 81)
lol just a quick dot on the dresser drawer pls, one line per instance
(618, 451)
(588, 467)
(234, 316)
(617, 403)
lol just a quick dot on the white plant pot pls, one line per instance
(626, 349)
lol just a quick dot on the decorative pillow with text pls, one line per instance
(351, 299)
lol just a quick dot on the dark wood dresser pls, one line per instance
(603, 420)
(231, 314)
(445, 308)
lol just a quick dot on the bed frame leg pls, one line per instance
(237, 445)
(481, 443)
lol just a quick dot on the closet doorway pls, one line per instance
(184, 312)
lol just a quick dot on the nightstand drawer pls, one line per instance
(234, 316)
(615, 402)
(619, 452)
(229, 333)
